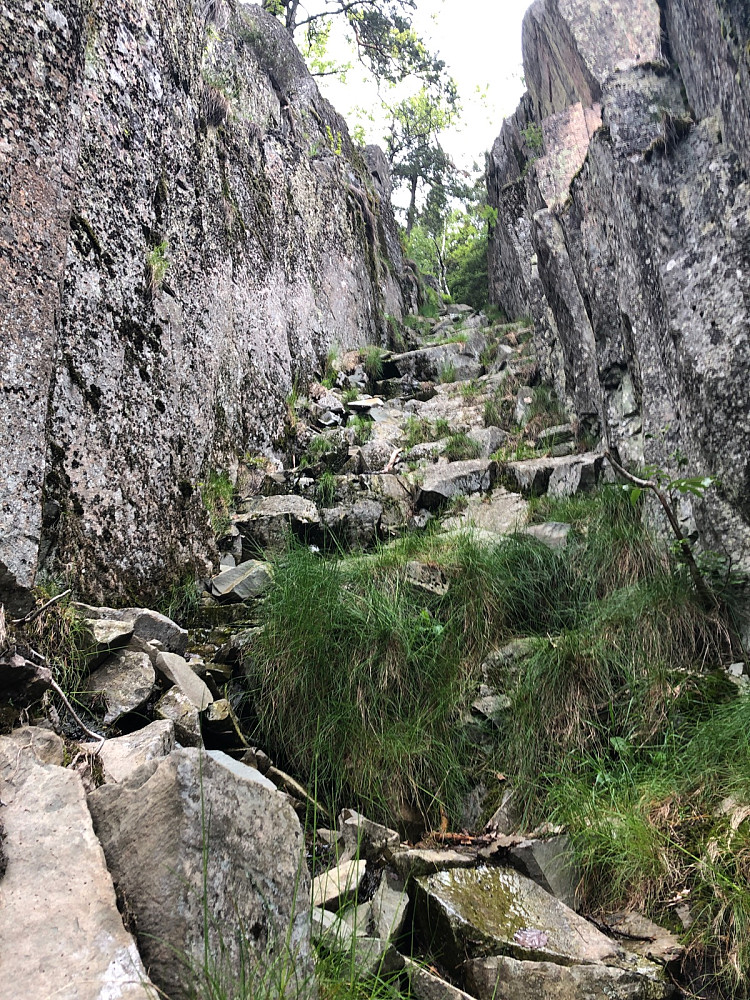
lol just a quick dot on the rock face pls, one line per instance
(622, 197)
(184, 225)
(196, 828)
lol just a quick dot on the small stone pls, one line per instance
(492, 707)
(105, 635)
(220, 720)
(176, 669)
(176, 707)
(334, 887)
(426, 986)
(124, 754)
(330, 930)
(22, 680)
(553, 534)
(427, 578)
(364, 838)
(417, 861)
(147, 625)
(250, 579)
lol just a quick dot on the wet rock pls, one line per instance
(176, 708)
(176, 669)
(334, 887)
(553, 534)
(268, 521)
(61, 930)
(198, 833)
(123, 755)
(506, 977)
(243, 582)
(125, 683)
(442, 482)
(488, 910)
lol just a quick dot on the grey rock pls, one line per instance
(503, 976)
(330, 930)
(426, 577)
(417, 861)
(424, 985)
(559, 434)
(363, 838)
(220, 720)
(104, 636)
(269, 520)
(176, 708)
(201, 833)
(355, 526)
(554, 534)
(506, 818)
(241, 583)
(388, 908)
(493, 707)
(561, 477)
(176, 669)
(32, 742)
(499, 513)
(125, 683)
(643, 937)
(429, 364)
(551, 865)
(123, 755)
(338, 885)
(373, 957)
(479, 912)
(442, 482)
(22, 680)
(147, 625)
(490, 439)
(524, 399)
(61, 930)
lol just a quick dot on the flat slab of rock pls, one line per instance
(500, 513)
(486, 911)
(176, 669)
(643, 937)
(426, 986)
(553, 534)
(42, 745)
(241, 583)
(267, 522)
(417, 861)
(125, 682)
(105, 635)
(443, 482)
(62, 935)
(147, 625)
(125, 754)
(200, 830)
(334, 887)
(502, 976)
(560, 477)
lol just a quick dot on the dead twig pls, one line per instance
(35, 614)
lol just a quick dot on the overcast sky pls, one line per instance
(480, 40)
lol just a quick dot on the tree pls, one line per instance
(385, 40)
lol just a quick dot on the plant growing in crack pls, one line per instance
(158, 264)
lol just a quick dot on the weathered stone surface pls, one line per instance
(176, 669)
(154, 827)
(628, 242)
(388, 908)
(333, 887)
(362, 837)
(550, 864)
(42, 745)
(506, 977)
(269, 520)
(485, 910)
(241, 583)
(500, 513)
(147, 625)
(212, 244)
(61, 931)
(21, 679)
(355, 526)
(330, 930)
(176, 708)
(441, 482)
(554, 534)
(426, 986)
(561, 477)
(125, 682)
(123, 755)
(104, 636)
(417, 861)
(426, 577)
(645, 938)
(430, 364)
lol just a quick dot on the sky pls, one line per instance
(480, 41)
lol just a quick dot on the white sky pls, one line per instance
(480, 41)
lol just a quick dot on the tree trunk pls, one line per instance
(411, 216)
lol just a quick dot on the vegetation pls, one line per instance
(461, 447)
(362, 429)
(420, 431)
(372, 362)
(158, 264)
(326, 489)
(217, 494)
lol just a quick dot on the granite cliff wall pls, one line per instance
(623, 203)
(185, 225)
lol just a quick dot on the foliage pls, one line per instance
(158, 264)
(326, 489)
(533, 136)
(447, 372)
(217, 494)
(419, 431)
(372, 362)
(461, 447)
(181, 601)
(362, 428)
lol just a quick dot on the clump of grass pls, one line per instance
(318, 447)
(61, 635)
(326, 489)
(362, 429)
(181, 601)
(421, 431)
(545, 410)
(372, 362)
(350, 395)
(217, 494)
(430, 305)
(470, 390)
(447, 373)
(158, 264)
(461, 447)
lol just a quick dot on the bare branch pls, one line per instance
(35, 614)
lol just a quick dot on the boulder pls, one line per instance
(499, 513)
(176, 669)
(125, 682)
(553, 534)
(355, 525)
(123, 755)
(485, 911)
(208, 856)
(61, 932)
(424, 985)
(22, 680)
(176, 708)
(561, 477)
(147, 625)
(243, 582)
(104, 636)
(429, 364)
(268, 521)
(336, 886)
(506, 977)
(388, 908)
(443, 482)
(425, 577)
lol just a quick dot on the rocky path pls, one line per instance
(185, 819)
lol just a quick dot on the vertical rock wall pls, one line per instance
(626, 232)
(185, 225)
